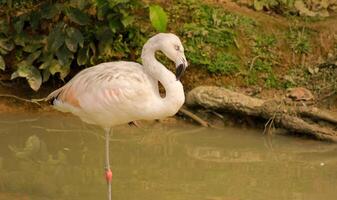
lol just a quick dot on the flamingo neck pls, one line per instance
(175, 96)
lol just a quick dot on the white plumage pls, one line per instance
(114, 93)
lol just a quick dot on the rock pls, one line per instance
(313, 70)
(314, 8)
(300, 94)
(303, 10)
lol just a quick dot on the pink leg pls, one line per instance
(108, 172)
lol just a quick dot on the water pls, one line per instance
(52, 156)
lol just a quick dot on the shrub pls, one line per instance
(49, 38)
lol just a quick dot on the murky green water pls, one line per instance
(58, 157)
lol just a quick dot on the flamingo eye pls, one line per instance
(177, 47)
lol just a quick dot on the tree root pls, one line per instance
(321, 124)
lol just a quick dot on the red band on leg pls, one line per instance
(108, 175)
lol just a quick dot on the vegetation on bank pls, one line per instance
(44, 39)
(51, 38)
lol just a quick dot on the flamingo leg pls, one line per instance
(108, 173)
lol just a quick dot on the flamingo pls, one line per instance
(115, 93)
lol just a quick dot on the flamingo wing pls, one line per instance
(115, 91)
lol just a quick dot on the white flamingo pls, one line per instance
(115, 93)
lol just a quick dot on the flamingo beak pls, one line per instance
(180, 68)
(180, 71)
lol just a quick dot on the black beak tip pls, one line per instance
(180, 71)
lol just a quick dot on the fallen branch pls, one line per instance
(301, 119)
(194, 117)
(35, 101)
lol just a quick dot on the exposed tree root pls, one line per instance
(311, 121)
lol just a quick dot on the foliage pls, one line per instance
(49, 38)
(299, 40)
(2, 63)
(209, 34)
(272, 81)
(225, 64)
(262, 63)
(18, 3)
(158, 18)
(263, 46)
(44, 39)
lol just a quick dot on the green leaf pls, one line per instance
(55, 67)
(158, 18)
(4, 27)
(32, 48)
(71, 44)
(32, 57)
(115, 25)
(29, 60)
(14, 75)
(45, 65)
(128, 20)
(49, 11)
(45, 75)
(80, 4)
(82, 58)
(56, 38)
(104, 33)
(18, 25)
(78, 16)
(2, 63)
(34, 19)
(102, 3)
(7, 44)
(116, 2)
(45, 59)
(35, 79)
(64, 71)
(64, 56)
(23, 63)
(102, 11)
(3, 51)
(76, 35)
(20, 39)
(32, 75)
(92, 47)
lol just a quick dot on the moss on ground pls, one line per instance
(239, 47)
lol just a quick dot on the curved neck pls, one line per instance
(173, 88)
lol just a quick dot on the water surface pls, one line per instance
(51, 156)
